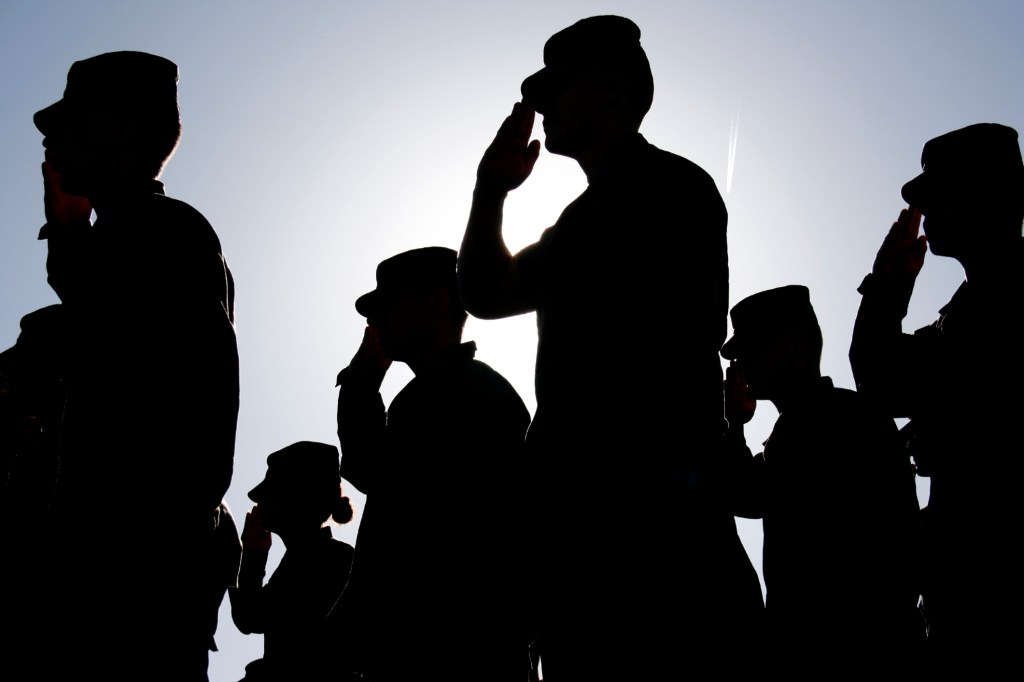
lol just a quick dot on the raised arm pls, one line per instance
(362, 419)
(488, 272)
(740, 475)
(249, 609)
(884, 360)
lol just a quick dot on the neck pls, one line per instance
(297, 538)
(430, 353)
(795, 390)
(110, 193)
(595, 158)
(993, 263)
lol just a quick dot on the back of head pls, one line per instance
(130, 86)
(603, 43)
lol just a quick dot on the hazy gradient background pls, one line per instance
(322, 137)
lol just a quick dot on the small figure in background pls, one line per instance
(300, 494)
(835, 490)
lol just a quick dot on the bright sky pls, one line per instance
(322, 137)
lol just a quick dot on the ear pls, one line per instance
(115, 127)
(614, 94)
(439, 301)
(803, 349)
(119, 134)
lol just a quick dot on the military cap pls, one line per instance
(766, 313)
(302, 468)
(593, 43)
(409, 272)
(983, 155)
(115, 81)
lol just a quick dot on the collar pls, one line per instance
(124, 196)
(456, 355)
(620, 158)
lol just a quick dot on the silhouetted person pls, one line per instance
(436, 590)
(958, 380)
(835, 489)
(151, 378)
(31, 405)
(630, 287)
(300, 494)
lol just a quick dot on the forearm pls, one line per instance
(882, 357)
(740, 476)
(486, 267)
(247, 603)
(67, 271)
(362, 424)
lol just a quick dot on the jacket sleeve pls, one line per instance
(248, 603)
(887, 363)
(739, 476)
(362, 422)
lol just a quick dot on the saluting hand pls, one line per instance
(902, 251)
(371, 361)
(509, 160)
(254, 535)
(62, 208)
(739, 406)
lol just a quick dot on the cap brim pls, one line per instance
(535, 87)
(914, 190)
(368, 303)
(730, 351)
(257, 493)
(47, 119)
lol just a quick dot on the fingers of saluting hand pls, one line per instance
(524, 117)
(905, 229)
(909, 224)
(919, 250)
(914, 225)
(252, 521)
(518, 125)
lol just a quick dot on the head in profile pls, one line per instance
(776, 342)
(596, 84)
(301, 491)
(415, 307)
(970, 191)
(117, 122)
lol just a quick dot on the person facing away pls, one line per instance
(645, 241)
(298, 497)
(835, 489)
(151, 375)
(957, 380)
(436, 587)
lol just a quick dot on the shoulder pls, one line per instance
(488, 378)
(181, 222)
(670, 181)
(859, 412)
(485, 386)
(678, 168)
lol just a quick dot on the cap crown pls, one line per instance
(770, 312)
(126, 81)
(301, 469)
(984, 157)
(597, 42)
(408, 272)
